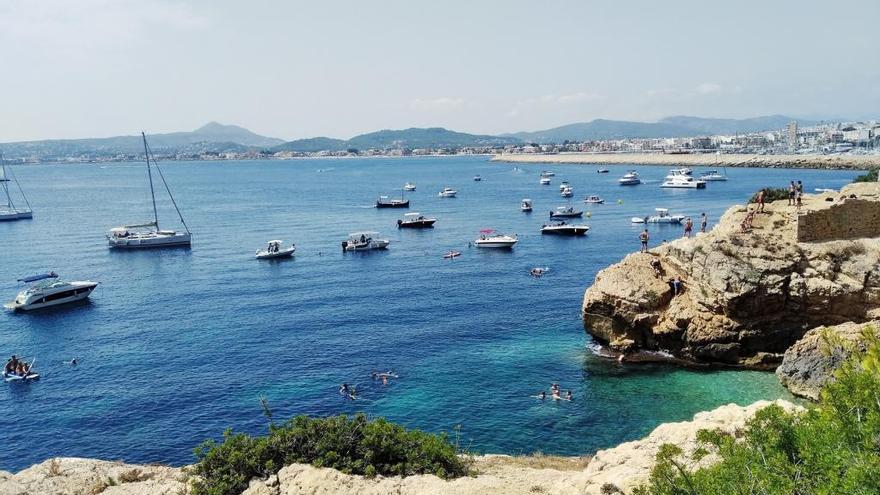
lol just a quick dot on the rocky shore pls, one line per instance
(623, 468)
(749, 295)
(855, 162)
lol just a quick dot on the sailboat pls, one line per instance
(9, 211)
(149, 235)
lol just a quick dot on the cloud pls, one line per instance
(709, 88)
(552, 101)
(442, 104)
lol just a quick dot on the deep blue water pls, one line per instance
(177, 345)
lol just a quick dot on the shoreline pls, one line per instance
(831, 162)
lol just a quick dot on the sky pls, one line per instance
(294, 69)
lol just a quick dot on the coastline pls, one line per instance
(836, 162)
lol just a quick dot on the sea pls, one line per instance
(177, 345)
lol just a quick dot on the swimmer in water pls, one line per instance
(568, 395)
(344, 390)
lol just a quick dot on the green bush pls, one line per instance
(870, 176)
(771, 194)
(833, 448)
(352, 445)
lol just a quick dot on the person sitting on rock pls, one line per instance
(676, 285)
(655, 265)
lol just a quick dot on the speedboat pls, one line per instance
(631, 178)
(276, 249)
(594, 200)
(386, 202)
(567, 192)
(547, 173)
(409, 186)
(563, 185)
(565, 212)
(415, 221)
(662, 216)
(545, 181)
(149, 235)
(364, 241)
(602, 171)
(712, 175)
(491, 239)
(683, 182)
(562, 228)
(9, 211)
(526, 205)
(49, 291)
(447, 192)
(477, 178)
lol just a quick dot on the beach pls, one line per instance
(839, 161)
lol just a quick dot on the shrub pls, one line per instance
(869, 176)
(352, 445)
(831, 448)
(771, 194)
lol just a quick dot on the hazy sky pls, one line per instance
(291, 69)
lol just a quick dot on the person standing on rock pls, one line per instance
(792, 192)
(688, 227)
(760, 201)
(703, 222)
(644, 238)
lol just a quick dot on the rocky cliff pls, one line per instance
(624, 467)
(749, 293)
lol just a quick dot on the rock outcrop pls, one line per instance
(810, 363)
(749, 295)
(624, 467)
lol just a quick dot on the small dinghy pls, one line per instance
(452, 254)
(275, 249)
(12, 377)
(602, 171)
(26, 372)
(594, 200)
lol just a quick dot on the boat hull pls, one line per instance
(567, 215)
(495, 245)
(569, 231)
(284, 253)
(8, 216)
(395, 204)
(77, 293)
(684, 185)
(150, 242)
(416, 224)
(629, 182)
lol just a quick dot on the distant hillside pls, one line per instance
(433, 137)
(210, 137)
(678, 126)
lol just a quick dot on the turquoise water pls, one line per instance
(176, 346)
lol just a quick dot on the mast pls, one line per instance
(5, 181)
(150, 175)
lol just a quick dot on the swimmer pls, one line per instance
(542, 395)
(343, 389)
(568, 395)
(72, 362)
(384, 379)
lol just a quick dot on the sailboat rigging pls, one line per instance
(9, 211)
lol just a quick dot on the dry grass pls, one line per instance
(54, 467)
(535, 461)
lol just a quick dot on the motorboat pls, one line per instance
(562, 228)
(566, 212)
(712, 175)
(276, 249)
(545, 181)
(662, 216)
(386, 202)
(631, 178)
(415, 221)
(149, 235)
(547, 173)
(364, 241)
(9, 211)
(409, 186)
(447, 192)
(683, 182)
(526, 205)
(567, 192)
(594, 200)
(678, 172)
(491, 239)
(50, 291)
(563, 185)
(477, 178)
(451, 254)
(602, 171)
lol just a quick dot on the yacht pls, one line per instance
(409, 186)
(713, 175)
(679, 171)
(477, 178)
(547, 173)
(631, 178)
(683, 182)
(364, 241)
(9, 211)
(447, 192)
(491, 239)
(563, 185)
(565, 212)
(526, 205)
(386, 202)
(562, 228)
(567, 192)
(594, 200)
(662, 216)
(275, 249)
(149, 235)
(50, 291)
(545, 181)
(415, 221)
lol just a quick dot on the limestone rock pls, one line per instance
(75, 476)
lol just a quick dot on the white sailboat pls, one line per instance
(149, 235)
(9, 211)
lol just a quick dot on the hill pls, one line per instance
(412, 138)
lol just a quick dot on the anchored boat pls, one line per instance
(563, 228)
(9, 211)
(566, 212)
(489, 238)
(50, 291)
(631, 178)
(275, 249)
(364, 241)
(415, 220)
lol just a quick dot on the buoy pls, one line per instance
(589, 214)
(620, 201)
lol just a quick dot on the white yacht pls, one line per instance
(596, 200)
(149, 235)
(562, 228)
(526, 205)
(563, 185)
(547, 173)
(9, 211)
(409, 186)
(275, 249)
(682, 181)
(662, 216)
(565, 212)
(631, 178)
(477, 178)
(545, 181)
(491, 239)
(447, 192)
(713, 176)
(49, 291)
(677, 172)
(567, 192)
(364, 241)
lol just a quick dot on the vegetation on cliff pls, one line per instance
(831, 448)
(869, 176)
(353, 445)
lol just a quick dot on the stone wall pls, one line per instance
(850, 219)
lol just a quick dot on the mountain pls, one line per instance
(412, 138)
(677, 126)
